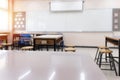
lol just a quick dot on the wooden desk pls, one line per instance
(54, 38)
(3, 38)
(36, 65)
(116, 41)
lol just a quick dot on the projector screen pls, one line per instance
(66, 6)
(88, 20)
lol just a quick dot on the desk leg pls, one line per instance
(34, 44)
(54, 45)
(119, 58)
(106, 46)
(106, 42)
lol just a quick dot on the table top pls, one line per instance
(38, 65)
(3, 34)
(49, 36)
(113, 37)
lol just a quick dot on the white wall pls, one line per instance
(90, 4)
(31, 5)
(43, 4)
(76, 38)
(86, 39)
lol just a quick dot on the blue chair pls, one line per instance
(62, 45)
(25, 40)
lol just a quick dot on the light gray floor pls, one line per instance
(91, 51)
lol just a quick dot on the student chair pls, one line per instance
(27, 48)
(99, 48)
(110, 57)
(25, 40)
(70, 48)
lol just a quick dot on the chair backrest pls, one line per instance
(25, 35)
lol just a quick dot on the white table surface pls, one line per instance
(49, 36)
(37, 65)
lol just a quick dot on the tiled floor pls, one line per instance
(91, 51)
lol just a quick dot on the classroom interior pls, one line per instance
(59, 40)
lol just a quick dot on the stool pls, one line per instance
(110, 56)
(27, 48)
(99, 48)
(70, 48)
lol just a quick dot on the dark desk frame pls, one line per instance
(115, 41)
(54, 39)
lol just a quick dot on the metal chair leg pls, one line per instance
(100, 60)
(96, 54)
(111, 56)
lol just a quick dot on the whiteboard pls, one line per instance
(88, 20)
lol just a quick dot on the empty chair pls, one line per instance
(60, 45)
(70, 48)
(16, 38)
(25, 40)
(99, 48)
(27, 48)
(110, 57)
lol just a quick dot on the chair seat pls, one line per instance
(70, 49)
(105, 51)
(27, 48)
(6, 44)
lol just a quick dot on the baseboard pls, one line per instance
(94, 47)
(86, 46)
(82, 46)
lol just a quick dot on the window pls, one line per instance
(4, 4)
(4, 15)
